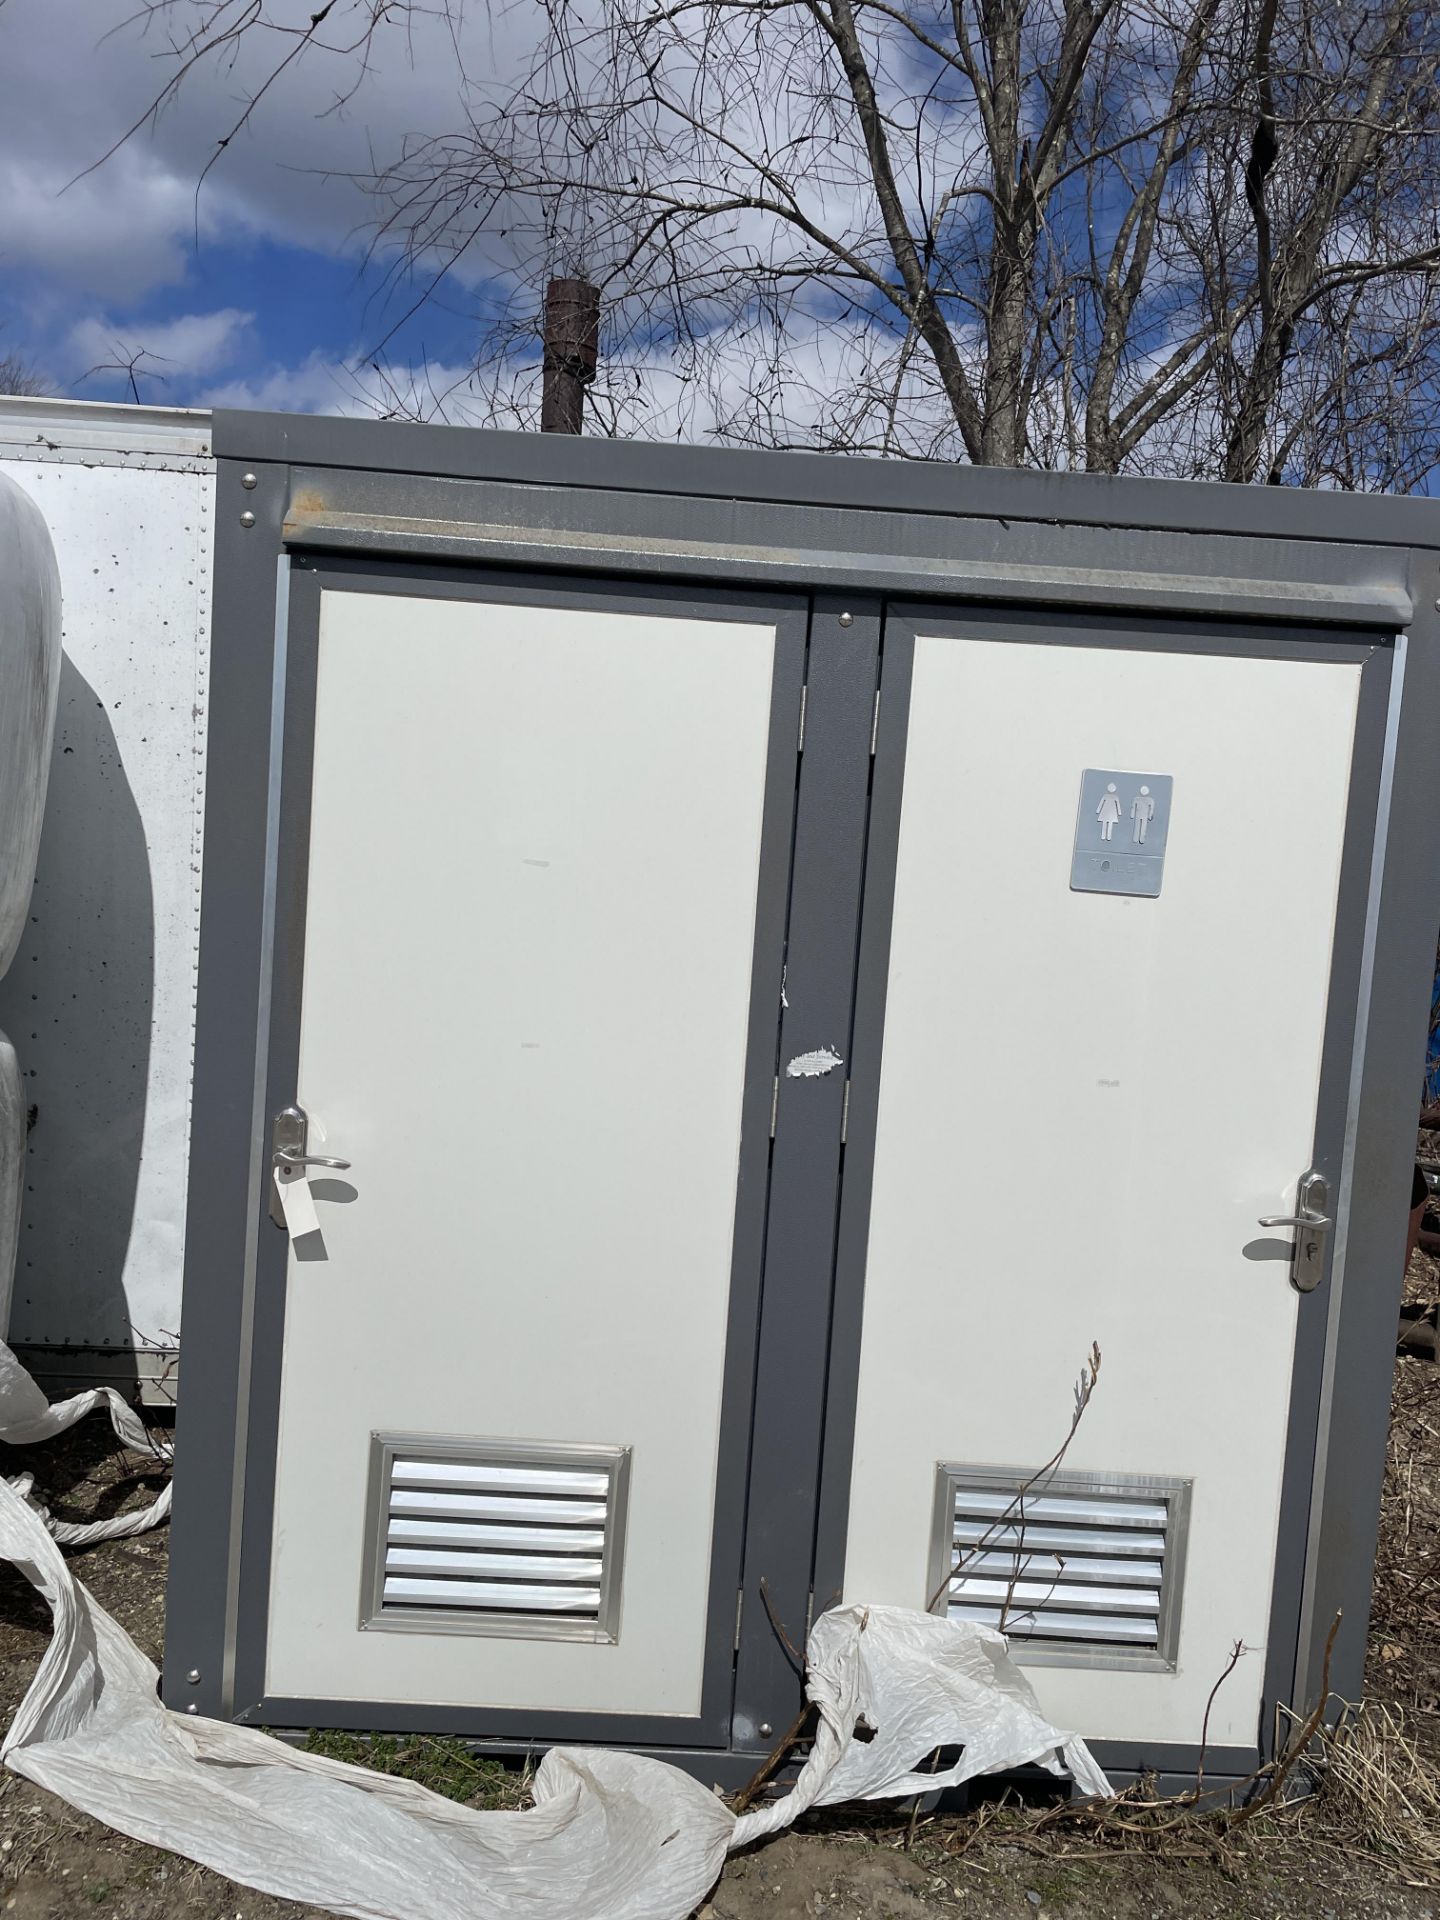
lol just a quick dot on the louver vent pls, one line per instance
(1081, 1568)
(495, 1537)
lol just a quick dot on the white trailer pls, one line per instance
(100, 1000)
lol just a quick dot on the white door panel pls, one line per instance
(534, 845)
(1085, 1103)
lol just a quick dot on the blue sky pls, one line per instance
(257, 292)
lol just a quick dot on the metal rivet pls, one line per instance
(765, 1729)
(247, 519)
(1437, 606)
(248, 480)
(193, 1676)
(192, 1708)
(847, 619)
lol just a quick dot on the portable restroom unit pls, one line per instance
(722, 975)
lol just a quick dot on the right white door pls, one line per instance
(1086, 1100)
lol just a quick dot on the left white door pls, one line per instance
(534, 848)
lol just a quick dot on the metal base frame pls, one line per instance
(1172, 1772)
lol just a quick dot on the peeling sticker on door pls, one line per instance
(810, 1066)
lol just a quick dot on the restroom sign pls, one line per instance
(1120, 832)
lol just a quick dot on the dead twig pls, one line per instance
(778, 1624)
(1084, 1393)
(740, 1802)
(1285, 1765)
(919, 1801)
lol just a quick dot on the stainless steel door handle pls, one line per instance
(1311, 1225)
(291, 1157)
(289, 1139)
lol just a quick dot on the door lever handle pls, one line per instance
(289, 1141)
(293, 1157)
(1311, 1226)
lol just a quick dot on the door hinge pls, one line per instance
(809, 1612)
(800, 741)
(739, 1612)
(875, 724)
(845, 1114)
(774, 1104)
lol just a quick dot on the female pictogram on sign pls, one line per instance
(1108, 812)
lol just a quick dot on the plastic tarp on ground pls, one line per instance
(612, 1836)
(27, 1417)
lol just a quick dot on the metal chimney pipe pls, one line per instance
(572, 348)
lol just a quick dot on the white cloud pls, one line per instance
(319, 384)
(322, 384)
(124, 230)
(192, 344)
(75, 74)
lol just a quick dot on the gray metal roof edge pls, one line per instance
(827, 480)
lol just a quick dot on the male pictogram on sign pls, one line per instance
(1142, 812)
(1108, 812)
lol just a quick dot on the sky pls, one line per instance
(253, 288)
(255, 284)
(131, 267)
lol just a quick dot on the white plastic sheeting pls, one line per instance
(113, 930)
(915, 1683)
(29, 677)
(12, 1174)
(612, 1836)
(29, 687)
(26, 1417)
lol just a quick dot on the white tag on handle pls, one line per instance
(297, 1203)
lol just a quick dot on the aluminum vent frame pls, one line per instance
(600, 1627)
(1174, 1492)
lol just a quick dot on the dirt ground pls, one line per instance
(1366, 1845)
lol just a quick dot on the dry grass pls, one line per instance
(1380, 1782)
(1404, 1667)
(1381, 1791)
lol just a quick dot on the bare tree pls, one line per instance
(1183, 236)
(18, 376)
(130, 361)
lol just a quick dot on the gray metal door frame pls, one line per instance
(1368, 1220)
